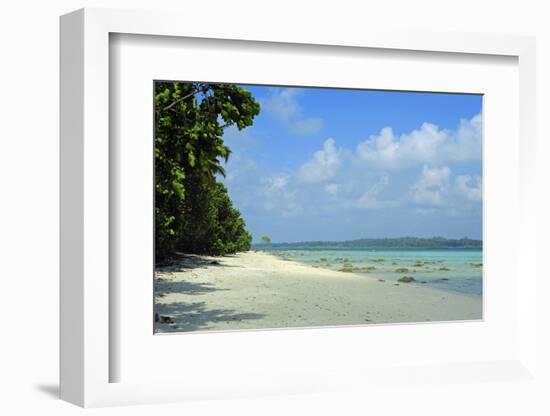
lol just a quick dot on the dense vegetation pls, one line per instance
(382, 243)
(193, 212)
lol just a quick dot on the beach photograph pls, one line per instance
(301, 207)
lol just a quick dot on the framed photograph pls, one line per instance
(261, 219)
(315, 206)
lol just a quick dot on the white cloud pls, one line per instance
(370, 199)
(432, 186)
(469, 186)
(282, 104)
(274, 194)
(279, 182)
(381, 149)
(429, 144)
(323, 165)
(335, 182)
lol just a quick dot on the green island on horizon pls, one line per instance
(380, 243)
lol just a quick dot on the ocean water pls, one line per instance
(455, 270)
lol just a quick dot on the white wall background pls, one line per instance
(29, 205)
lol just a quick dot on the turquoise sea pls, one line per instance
(456, 270)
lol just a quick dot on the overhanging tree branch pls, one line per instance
(179, 100)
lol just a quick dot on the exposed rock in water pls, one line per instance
(402, 270)
(444, 278)
(406, 279)
(166, 319)
(444, 269)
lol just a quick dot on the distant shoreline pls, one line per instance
(282, 247)
(401, 243)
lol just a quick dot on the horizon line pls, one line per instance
(373, 239)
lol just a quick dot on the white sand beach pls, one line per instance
(259, 290)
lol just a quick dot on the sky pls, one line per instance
(335, 164)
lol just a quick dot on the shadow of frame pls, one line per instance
(51, 390)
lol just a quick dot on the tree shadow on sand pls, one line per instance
(186, 262)
(196, 316)
(164, 286)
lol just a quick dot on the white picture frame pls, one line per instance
(86, 353)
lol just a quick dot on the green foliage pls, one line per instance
(189, 151)
(213, 226)
(265, 239)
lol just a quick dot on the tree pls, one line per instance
(213, 226)
(265, 239)
(230, 230)
(190, 119)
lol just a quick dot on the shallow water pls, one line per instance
(456, 270)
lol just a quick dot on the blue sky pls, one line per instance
(332, 164)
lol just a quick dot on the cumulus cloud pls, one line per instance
(341, 182)
(428, 144)
(469, 186)
(323, 165)
(432, 186)
(282, 104)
